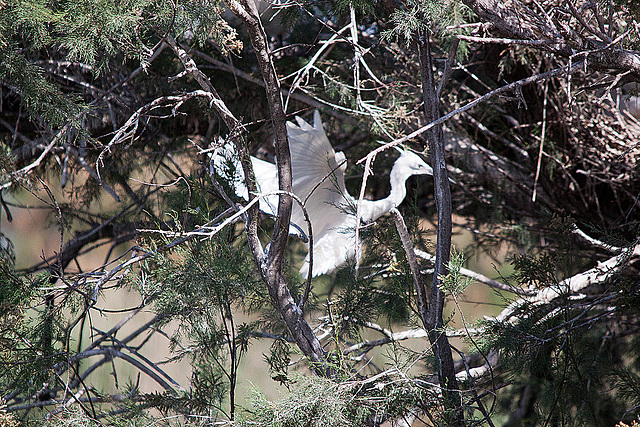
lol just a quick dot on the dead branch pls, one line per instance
(574, 285)
(515, 20)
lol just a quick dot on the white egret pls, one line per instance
(318, 178)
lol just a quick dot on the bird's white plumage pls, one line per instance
(227, 165)
(318, 179)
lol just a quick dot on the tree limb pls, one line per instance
(433, 320)
(418, 283)
(574, 284)
(271, 267)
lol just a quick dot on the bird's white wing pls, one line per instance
(267, 176)
(332, 250)
(227, 166)
(334, 247)
(317, 176)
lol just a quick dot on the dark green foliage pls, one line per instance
(200, 19)
(93, 31)
(28, 19)
(432, 15)
(279, 360)
(455, 283)
(31, 340)
(64, 63)
(627, 385)
(39, 96)
(392, 278)
(360, 6)
(209, 388)
(535, 270)
(14, 294)
(574, 367)
(355, 303)
(393, 297)
(202, 284)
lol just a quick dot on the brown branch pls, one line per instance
(433, 320)
(271, 266)
(499, 40)
(418, 283)
(51, 402)
(595, 242)
(111, 352)
(249, 16)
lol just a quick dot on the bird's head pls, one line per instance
(411, 164)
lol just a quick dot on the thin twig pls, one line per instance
(446, 74)
(505, 41)
(541, 149)
(506, 88)
(610, 248)
(477, 276)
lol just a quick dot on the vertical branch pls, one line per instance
(271, 267)
(433, 322)
(247, 12)
(371, 157)
(541, 150)
(235, 362)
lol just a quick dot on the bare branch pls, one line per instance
(504, 41)
(442, 119)
(271, 267)
(128, 130)
(365, 346)
(574, 284)
(515, 20)
(477, 276)
(418, 283)
(27, 169)
(596, 242)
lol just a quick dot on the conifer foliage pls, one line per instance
(528, 111)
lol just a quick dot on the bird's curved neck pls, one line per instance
(374, 209)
